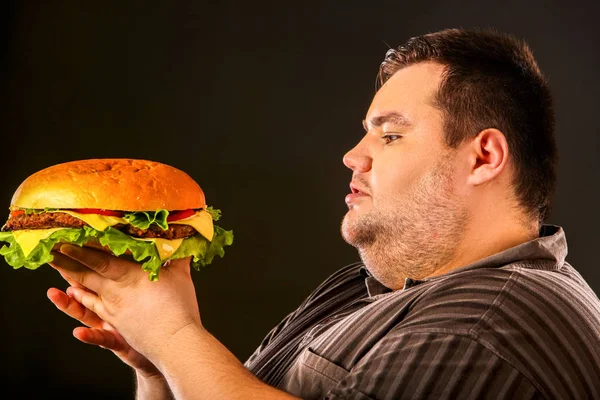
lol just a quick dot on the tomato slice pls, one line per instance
(16, 213)
(108, 213)
(177, 215)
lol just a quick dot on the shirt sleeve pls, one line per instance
(438, 365)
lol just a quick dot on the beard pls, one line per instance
(412, 234)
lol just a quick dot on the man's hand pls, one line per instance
(100, 333)
(151, 384)
(147, 314)
(161, 320)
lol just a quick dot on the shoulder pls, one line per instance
(546, 323)
(542, 320)
(513, 299)
(531, 287)
(549, 299)
(561, 287)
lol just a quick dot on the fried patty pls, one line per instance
(44, 220)
(48, 220)
(175, 231)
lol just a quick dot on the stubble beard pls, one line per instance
(415, 237)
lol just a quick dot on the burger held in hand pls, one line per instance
(146, 209)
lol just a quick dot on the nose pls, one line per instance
(357, 159)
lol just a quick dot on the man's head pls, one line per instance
(462, 126)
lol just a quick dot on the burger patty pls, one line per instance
(61, 220)
(44, 220)
(175, 231)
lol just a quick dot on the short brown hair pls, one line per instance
(492, 81)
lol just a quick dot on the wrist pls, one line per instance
(149, 376)
(177, 345)
(195, 364)
(152, 387)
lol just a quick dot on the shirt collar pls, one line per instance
(374, 287)
(551, 245)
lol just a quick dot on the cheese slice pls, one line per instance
(28, 239)
(165, 247)
(96, 221)
(201, 221)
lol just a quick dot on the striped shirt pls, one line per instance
(521, 324)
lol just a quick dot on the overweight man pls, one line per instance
(461, 292)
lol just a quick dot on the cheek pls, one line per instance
(394, 178)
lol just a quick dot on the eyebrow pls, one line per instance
(393, 117)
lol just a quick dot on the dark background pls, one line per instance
(258, 103)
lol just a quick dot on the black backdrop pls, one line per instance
(258, 103)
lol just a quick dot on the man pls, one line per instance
(462, 293)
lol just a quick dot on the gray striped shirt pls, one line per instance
(520, 324)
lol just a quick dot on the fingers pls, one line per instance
(77, 274)
(70, 280)
(97, 334)
(89, 301)
(100, 337)
(74, 309)
(108, 266)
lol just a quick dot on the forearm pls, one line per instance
(198, 366)
(152, 388)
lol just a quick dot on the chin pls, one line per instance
(347, 230)
(356, 230)
(359, 206)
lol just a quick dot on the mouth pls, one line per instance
(356, 189)
(356, 192)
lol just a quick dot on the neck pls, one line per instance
(489, 236)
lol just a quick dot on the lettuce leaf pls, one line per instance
(38, 211)
(214, 213)
(14, 256)
(202, 250)
(143, 219)
(198, 247)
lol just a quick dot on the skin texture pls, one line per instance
(150, 381)
(425, 209)
(157, 327)
(426, 204)
(412, 219)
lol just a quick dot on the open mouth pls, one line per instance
(355, 194)
(356, 190)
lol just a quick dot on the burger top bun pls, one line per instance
(110, 184)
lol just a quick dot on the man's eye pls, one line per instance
(389, 138)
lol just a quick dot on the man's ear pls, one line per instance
(488, 156)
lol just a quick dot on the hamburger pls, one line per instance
(151, 211)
